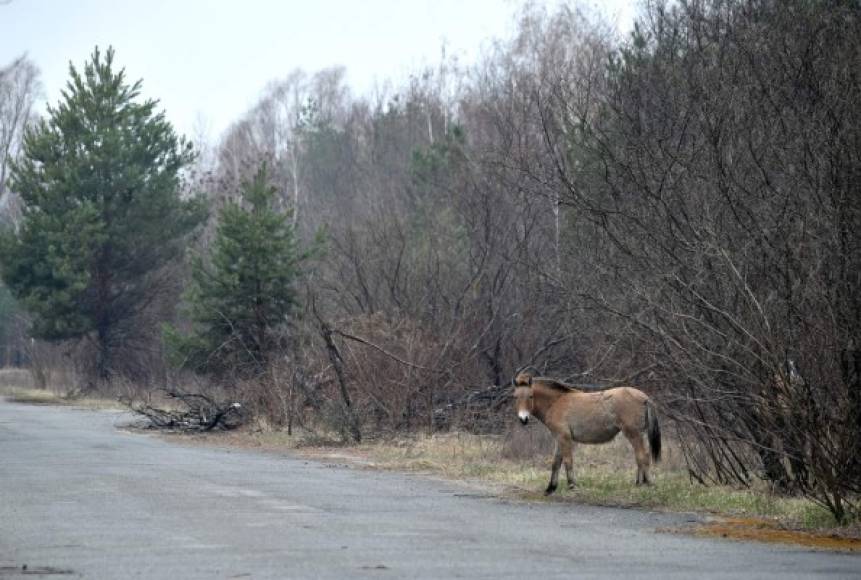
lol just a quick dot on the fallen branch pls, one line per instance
(202, 413)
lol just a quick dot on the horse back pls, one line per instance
(624, 404)
(631, 393)
(628, 405)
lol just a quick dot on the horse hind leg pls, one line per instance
(641, 454)
(568, 458)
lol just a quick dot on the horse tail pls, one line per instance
(654, 430)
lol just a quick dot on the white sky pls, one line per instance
(208, 61)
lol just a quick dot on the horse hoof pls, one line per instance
(572, 486)
(550, 490)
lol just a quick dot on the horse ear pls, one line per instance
(522, 380)
(515, 379)
(523, 376)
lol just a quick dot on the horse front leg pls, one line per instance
(554, 473)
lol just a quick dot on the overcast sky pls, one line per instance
(208, 60)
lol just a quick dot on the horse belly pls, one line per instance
(596, 433)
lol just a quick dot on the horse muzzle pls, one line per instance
(524, 417)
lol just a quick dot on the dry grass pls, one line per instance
(518, 464)
(49, 397)
(605, 476)
(500, 465)
(16, 385)
(16, 378)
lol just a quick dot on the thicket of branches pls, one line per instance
(681, 204)
(710, 178)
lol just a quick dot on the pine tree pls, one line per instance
(241, 299)
(100, 182)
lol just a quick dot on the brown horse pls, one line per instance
(573, 415)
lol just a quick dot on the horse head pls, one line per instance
(523, 397)
(523, 403)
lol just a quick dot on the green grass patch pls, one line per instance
(674, 491)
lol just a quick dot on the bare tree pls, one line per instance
(711, 177)
(19, 89)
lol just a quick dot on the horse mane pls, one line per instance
(564, 387)
(555, 384)
(525, 377)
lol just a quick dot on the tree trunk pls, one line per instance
(850, 360)
(337, 364)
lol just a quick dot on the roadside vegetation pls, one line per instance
(17, 385)
(604, 476)
(515, 465)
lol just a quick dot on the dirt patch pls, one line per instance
(762, 530)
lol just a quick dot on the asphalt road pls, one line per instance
(80, 498)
